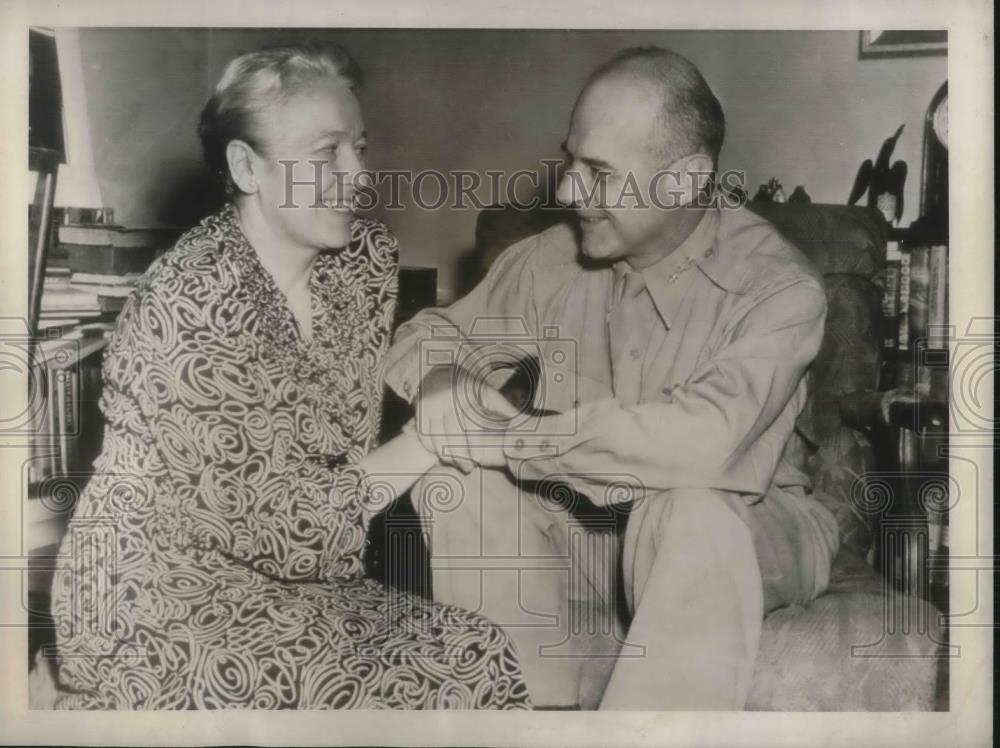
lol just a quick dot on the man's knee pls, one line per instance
(707, 509)
(481, 504)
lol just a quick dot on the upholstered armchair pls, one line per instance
(867, 644)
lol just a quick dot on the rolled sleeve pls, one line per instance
(501, 304)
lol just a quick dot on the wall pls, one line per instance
(801, 106)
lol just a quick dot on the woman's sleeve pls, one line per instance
(231, 475)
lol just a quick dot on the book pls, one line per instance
(927, 313)
(920, 263)
(114, 235)
(69, 300)
(937, 298)
(890, 304)
(903, 337)
(62, 318)
(67, 389)
(105, 279)
(105, 291)
(50, 323)
(106, 259)
(87, 235)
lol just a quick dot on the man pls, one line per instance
(690, 326)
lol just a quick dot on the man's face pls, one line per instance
(319, 130)
(611, 141)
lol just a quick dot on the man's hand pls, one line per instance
(462, 439)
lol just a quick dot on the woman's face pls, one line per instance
(314, 148)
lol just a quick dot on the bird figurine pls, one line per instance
(772, 192)
(883, 183)
(799, 195)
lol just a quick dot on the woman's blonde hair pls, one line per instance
(255, 81)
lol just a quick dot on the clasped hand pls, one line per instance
(462, 419)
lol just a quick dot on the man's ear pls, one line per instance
(696, 175)
(240, 157)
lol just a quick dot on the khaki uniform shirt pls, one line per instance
(688, 374)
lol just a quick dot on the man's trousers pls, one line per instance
(697, 568)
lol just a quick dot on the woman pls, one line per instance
(215, 559)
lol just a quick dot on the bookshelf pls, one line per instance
(85, 267)
(916, 373)
(63, 390)
(914, 391)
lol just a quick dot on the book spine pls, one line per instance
(64, 404)
(920, 258)
(890, 304)
(904, 302)
(937, 303)
(80, 236)
(73, 418)
(52, 399)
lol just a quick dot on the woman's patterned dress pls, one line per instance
(215, 559)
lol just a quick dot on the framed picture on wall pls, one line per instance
(903, 43)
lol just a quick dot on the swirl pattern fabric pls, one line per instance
(215, 558)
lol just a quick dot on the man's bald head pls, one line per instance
(690, 117)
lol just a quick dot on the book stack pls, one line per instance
(919, 314)
(64, 304)
(93, 268)
(110, 249)
(68, 299)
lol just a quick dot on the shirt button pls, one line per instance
(519, 444)
(635, 353)
(709, 252)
